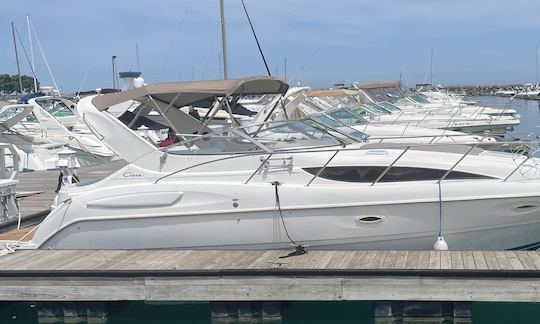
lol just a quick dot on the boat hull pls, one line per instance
(476, 224)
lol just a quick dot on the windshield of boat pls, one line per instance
(403, 102)
(376, 108)
(347, 117)
(54, 106)
(267, 137)
(384, 94)
(363, 111)
(9, 112)
(420, 98)
(388, 106)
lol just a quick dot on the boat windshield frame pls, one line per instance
(350, 114)
(326, 135)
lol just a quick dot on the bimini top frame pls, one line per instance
(168, 98)
(181, 94)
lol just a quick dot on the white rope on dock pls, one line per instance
(11, 246)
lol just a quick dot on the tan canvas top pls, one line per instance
(191, 92)
(332, 92)
(381, 84)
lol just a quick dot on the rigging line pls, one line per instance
(25, 53)
(303, 66)
(256, 39)
(44, 57)
(82, 82)
(210, 53)
(180, 25)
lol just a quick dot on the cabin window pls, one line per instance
(370, 174)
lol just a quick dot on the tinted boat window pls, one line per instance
(370, 174)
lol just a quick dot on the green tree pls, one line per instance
(9, 84)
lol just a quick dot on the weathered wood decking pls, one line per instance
(170, 275)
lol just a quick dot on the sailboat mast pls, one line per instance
(137, 57)
(33, 67)
(536, 67)
(431, 69)
(16, 56)
(223, 40)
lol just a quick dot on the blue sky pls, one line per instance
(474, 42)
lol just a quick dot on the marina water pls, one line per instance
(313, 312)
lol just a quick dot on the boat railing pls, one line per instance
(516, 148)
(14, 158)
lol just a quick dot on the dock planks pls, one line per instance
(210, 275)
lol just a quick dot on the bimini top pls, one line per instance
(375, 85)
(181, 94)
(332, 92)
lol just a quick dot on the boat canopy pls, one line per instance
(380, 84)
(332, 93)
(181, 94)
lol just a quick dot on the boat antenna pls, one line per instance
(256, 39)
(16, 56)
(32, 64)
(223, 40)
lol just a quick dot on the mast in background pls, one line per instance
(431, 69)
(32, 62)
(16, 56)
(137, 57)
(536, 67)
(113, 60)
(223, 41)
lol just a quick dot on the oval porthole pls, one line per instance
(371, 219)
(525, 207)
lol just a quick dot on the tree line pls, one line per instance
(9, 84)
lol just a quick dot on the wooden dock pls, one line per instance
(36, 189)
(178, 275)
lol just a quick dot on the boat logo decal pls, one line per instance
(130, 174)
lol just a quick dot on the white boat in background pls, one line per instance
(269, 185)
(529, 91)
(45, 126)
(505, 93)
(304, 102)
(385, 113)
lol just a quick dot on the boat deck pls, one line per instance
(187, 275)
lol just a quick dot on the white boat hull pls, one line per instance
(472, 224)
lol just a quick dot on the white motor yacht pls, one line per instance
(452, 113)
(44, 126)
(303, 102)
(290, 182)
